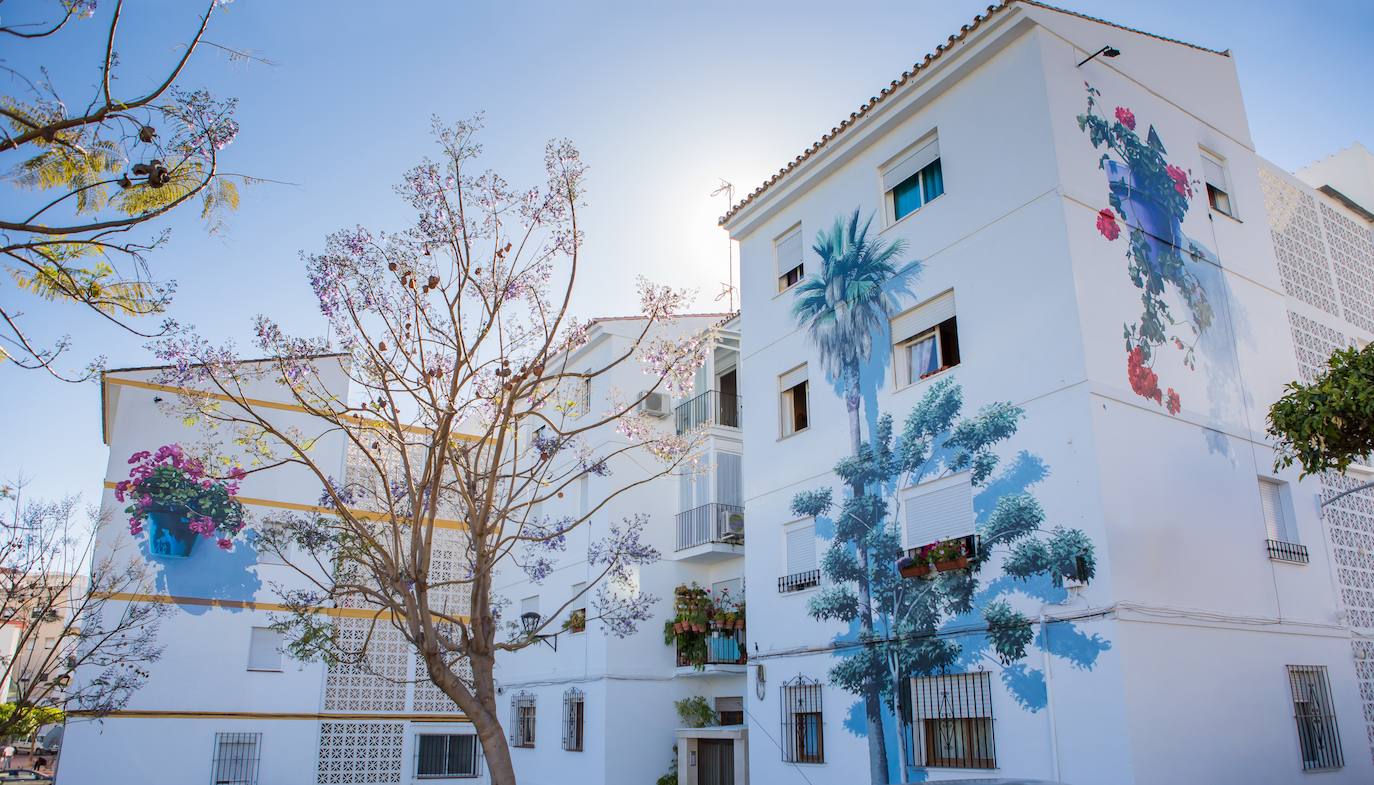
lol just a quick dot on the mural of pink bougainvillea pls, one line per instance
(1149, 196)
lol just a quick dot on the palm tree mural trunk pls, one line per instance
(873, 717)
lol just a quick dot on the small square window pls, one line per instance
(236, 758)
(264, 649)
(1218, 184)
(789, 252)
(447, 755)
(793, 405)
(925, 340)
(913, 180)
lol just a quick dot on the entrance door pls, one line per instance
(716, 762)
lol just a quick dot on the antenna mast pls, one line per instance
(727, 289)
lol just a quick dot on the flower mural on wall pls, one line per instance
(918, 627)
(1151, 197)
(172, 496)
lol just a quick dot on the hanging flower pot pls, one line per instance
(909, 567)
(169, 533)
(951, 564)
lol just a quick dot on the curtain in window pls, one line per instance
(921, 358)
(932, 181)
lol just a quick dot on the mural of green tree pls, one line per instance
(901, 624)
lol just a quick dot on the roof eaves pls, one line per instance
(910, 76)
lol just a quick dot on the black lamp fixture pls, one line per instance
(529, 622)
(1106, 51)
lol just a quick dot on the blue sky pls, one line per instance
(662, 99)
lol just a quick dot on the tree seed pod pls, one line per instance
(434, 282)
(147, 134)
(391, 266)
(381, 346)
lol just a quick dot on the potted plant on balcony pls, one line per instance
(576, 621)
(173, 497)
(935, 557)
(693, 615)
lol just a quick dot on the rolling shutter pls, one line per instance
(939, 510)
(910, 165)
(923, 317)
(801, 547)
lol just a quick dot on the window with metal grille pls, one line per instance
(803, 726)
(447, 755)
(952, 720)
(573, 720)
(236, 759)
(1318, 736)
(522, 720)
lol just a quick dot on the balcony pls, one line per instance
(1286, 551)
(725, 653)
(710, 408)
(711, 532)
(798, 581)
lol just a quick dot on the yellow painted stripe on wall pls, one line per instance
(270, 715)
(367, 515)
(289, 407)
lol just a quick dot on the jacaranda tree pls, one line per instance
(456, 337)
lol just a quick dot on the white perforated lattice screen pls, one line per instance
(429, 698)
(1352, 253)
(1364, 675)
(1313, 343)
(1298, 242)
(379, 682)
(360, 753)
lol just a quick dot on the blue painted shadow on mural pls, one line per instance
(208, 573)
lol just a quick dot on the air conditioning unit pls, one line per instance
(734, 527)
(655, 404)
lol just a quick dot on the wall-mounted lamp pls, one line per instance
(1106, 51)
(529, 622)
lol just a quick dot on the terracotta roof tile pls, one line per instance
(907, 77)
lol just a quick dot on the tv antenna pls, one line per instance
(727, 288)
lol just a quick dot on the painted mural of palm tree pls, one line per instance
(843, 306)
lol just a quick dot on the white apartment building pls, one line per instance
(224, 704)
(1114, 286)
(598, 708)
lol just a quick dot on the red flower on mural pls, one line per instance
(1174, 404)
(1106, 224)
(1180, 179)
(1144, 380)
(1126, 116)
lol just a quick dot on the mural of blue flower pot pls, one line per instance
(1145, 212)
(169, 534)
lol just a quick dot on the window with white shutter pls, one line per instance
(264, 649)
(938, 510)
(1218, 184)
(913, 179)
(925, 340)
(1279, 530)
(794, 408)
(789, 251)
(800, 559)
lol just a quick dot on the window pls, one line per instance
(793, 403)
(952, 719)
(803, 731)
(789, 252)
(574, 720)
(1318, 736)
(925, 340)
(938, 510)
(913, 180)
(264, 650)
(584, 397)
(522, 720)
(1280, 533)
(584, 495)
(447, 755)
(236, 759)
(1218, 185)
(577, 616)
(529, 605)
(799, 539)
(730, 710)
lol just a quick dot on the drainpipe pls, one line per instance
(1047, 666)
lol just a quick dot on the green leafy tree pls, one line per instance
(843, 307)
(1328, 424)
(101, 177)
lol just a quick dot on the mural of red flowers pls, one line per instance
(1106, 224)
(1150, 196)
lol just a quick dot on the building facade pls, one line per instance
(601, 708)
(224, 704)
(1012, 329)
